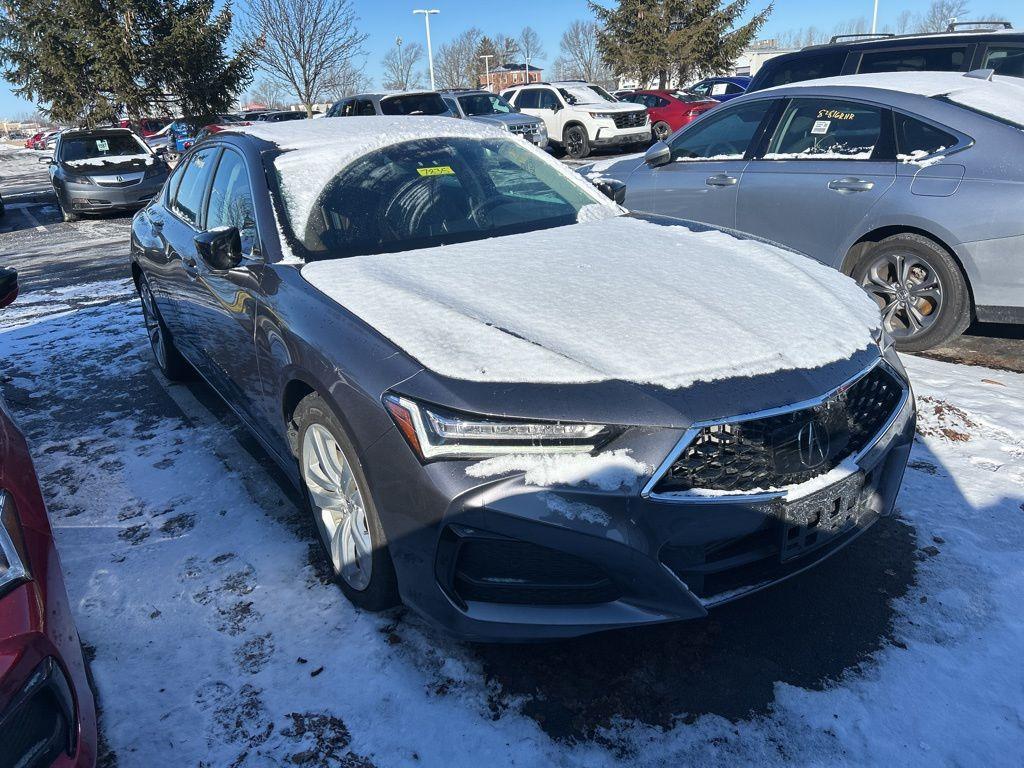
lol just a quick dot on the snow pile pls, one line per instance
(620, 298)
(110, 160)
(1002, 96)
(607, 471)
(316, 151)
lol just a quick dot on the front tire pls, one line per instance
(170, 361)
(919, 289)
(661, 130)
(338, 497)
(576, 142)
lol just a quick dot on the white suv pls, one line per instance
(580, 116)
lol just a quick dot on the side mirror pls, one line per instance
(557, 108)
(8, 286)
(221, 248)
(161, 150)
(46, 159)
(613, 189)
(659, 153)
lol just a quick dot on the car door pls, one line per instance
(177, 231)
(227, 300)
(826, 164)
(701, 179)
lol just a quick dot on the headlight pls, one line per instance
(74, 178)
(602, 115)
(542, 129)
(504, 127)
(12, 547)
(437, 433)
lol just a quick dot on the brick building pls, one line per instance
(508, 75)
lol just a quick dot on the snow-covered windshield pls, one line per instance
(485, 104)
(109, 147)
(434, 191)
(584, 94)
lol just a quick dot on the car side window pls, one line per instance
(916, 139)
(802, 67)
(941, 59)
(452, 105)
(188, 200)
(1005, 59)
(231, 200)
(174, 182)
(364, 107)
(547, 100)
(529, 98)
(726, 135)
(826, 129)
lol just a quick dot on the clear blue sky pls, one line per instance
(386, 19)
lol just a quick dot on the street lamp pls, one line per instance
(430, 54)
(874, 19)
(487, 68)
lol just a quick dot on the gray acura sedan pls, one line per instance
(910, 182)
(509, 404)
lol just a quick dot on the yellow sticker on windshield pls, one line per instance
(437, 170)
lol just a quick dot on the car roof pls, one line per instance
(900, 41)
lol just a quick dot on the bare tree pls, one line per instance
(400, 66)
(344, 81)
(305, 45)
(940, 13)
(530, 45)
(904, 22)
(456, 65)
(579, 58)
(267, 93)
(507, 50)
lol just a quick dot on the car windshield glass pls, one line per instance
(581, 94)
(413, 104)
(101, 146)
(485, 104)
(432, 192)
(602, 93)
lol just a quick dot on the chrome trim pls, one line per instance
(691, 433)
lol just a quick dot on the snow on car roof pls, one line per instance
(1002, 97)
(618, 298)
(315, 151)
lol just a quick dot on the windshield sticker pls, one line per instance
(102, 145)
(834, 114)
(820, 127)
(437, 170)
(718, 89)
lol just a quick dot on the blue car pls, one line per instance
(720, 88)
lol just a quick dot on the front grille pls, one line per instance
(496, 569)
(111, 181)
(36, 728)
(633, 119)
(788, 448)
(529, 130)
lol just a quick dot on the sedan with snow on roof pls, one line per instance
(910, 182)
(105, 169)
(507, 403)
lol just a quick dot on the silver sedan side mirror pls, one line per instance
(658, 154)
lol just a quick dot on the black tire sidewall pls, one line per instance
(175, 367)
(955, 309)
(382, 591)
(585, 141)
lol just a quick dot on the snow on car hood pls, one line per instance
(619, 298)
(108, 160)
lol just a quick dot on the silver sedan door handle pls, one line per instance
(849, 184)
(721, 180)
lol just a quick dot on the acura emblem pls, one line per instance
(813, 442)
(120, 178)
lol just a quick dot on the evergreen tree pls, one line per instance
(652, 39)
(92, 61)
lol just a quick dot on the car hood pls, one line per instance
(610, 106)
(617, 301)
(512, 118)
(111, 165)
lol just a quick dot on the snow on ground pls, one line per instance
(217, 642)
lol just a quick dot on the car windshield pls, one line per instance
(476, 104)
(430, 192)
(413, 104)
(101, 146)
(584, 94)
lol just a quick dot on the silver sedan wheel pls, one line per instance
(338, 504)
(908, 291)
(154, 330)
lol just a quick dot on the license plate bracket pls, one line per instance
(817, 518)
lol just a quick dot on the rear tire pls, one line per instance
(338, 497)
(919, 288)
(576, 142)
(170, 361)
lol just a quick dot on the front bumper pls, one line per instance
(98, 197)
(508, 561)
(613, 137)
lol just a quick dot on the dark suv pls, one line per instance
(950, 51)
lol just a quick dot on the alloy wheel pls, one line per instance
(339, 507)
(574, 141)
(154, 329)
(908, 291)
(662, 131)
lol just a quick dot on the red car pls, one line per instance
(145, 127)
(669, 110)
(30, 143)
(47, 712)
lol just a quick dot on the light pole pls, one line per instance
(401, 69)
(487, 68)
(874, 19)
(430, 54)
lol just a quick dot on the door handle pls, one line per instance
(721, 180)
(850, 184)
